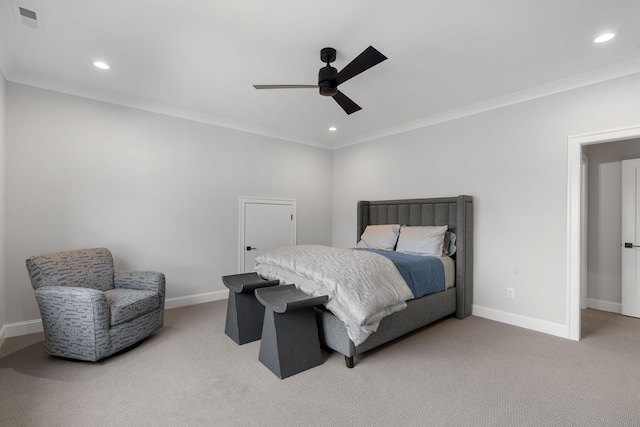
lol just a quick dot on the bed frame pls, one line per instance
(457, 213)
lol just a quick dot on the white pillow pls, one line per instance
(380, 237)
(422, 240)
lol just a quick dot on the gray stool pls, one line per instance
(244, 313)
(290, 341)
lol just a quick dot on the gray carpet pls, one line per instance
(471, 372)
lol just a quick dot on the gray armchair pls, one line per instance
(89, 311)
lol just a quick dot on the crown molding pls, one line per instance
(586, 79)
(154, 107)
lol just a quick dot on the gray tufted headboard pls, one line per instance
(456, 212)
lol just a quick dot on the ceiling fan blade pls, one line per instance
(363, 62)
(346, 103)
(286, 86)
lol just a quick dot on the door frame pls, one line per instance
(243, 201)
(584, 230)
(575, 259)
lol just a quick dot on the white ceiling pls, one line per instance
(199, 58)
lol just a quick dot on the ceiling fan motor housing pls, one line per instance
(325, 81)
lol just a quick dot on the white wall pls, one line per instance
(3, 300)
(604, 278)
(160, 192)
(513, 161)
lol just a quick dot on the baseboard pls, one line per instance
(23, 328)
(614, 307)
(3, 332)
(551, 328)
(35, 326)
(195, 299)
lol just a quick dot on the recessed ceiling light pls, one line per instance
(333, 128)
(101, 65)
(604, 38)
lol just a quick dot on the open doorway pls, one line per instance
(578, 145)
(604, 213)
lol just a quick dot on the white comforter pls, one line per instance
(363, 287)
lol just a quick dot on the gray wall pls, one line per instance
(3, 300)
(604, 278)
(513, 161)
(161, 192)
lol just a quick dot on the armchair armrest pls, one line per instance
(142, 281)
(75, 320)
(64, 297)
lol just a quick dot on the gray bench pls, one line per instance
(290, 341)
(244, 313)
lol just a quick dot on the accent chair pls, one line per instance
(90, 311)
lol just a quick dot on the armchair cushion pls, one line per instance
(127, 304)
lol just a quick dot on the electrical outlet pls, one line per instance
(511, 293)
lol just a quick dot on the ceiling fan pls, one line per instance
(329, 78)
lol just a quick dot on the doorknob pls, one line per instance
(630, 245)
(250, 248)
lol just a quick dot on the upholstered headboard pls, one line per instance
(456, 212)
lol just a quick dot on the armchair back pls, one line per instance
(84, 268)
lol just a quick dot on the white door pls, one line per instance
(265, 224)
(631, 237)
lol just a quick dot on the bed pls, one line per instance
(457, 214)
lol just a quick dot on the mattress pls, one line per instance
(363, 287)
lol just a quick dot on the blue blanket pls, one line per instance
(424, 274)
